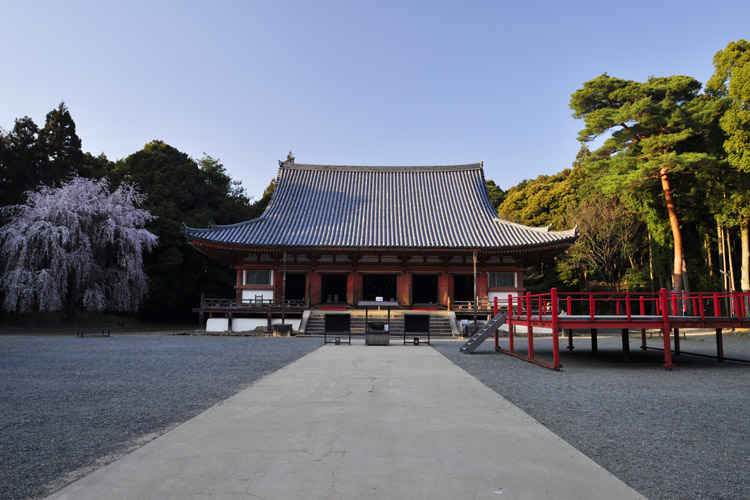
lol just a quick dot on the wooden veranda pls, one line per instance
(664, 311)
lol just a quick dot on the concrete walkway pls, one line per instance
(357, 422)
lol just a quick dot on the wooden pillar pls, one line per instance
(719, 346)
(278, 286)
(482, 286)
(315, 288)
(443, 289)
(238, 284)
(353, 288)
(594, 341)
(625, 344)
(404, 289)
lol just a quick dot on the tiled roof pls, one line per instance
(439, 207)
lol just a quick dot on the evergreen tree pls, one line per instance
(21, 161)
(657, 131)
(61, 146)
(731, 79)
(495, 193)
(181, 191)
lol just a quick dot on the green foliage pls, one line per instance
(495, 193)
(21, 160)
(543, 201)
(658, 135)
(732, 80)
(610, 236)
(30, 156)
(652, 125)
(61, 146)
(180, 190)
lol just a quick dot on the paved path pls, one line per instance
(356, 422)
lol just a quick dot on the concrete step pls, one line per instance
(440, 323)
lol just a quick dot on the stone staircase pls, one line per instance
(440, 321)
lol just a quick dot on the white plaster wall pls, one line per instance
(502, 297)
(249, 295)
(217, 324)
(247, 324)
(537, 330)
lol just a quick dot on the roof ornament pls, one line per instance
(289, 158)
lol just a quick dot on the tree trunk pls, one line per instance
(650, 261)
(722, 257)
(675, 226)
(745, 280)
(709, 260)
(732, 282)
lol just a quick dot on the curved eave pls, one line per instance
(230, 253)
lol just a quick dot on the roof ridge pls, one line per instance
(383, 168)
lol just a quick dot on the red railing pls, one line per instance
(627, 304)
(513, 318)
(663, 310)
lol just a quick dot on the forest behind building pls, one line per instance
(658, 190)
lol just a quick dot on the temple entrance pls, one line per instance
(424, 288)
(333, 288)
(463, 287)
(379, 285)
(296, 286)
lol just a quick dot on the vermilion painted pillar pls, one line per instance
(404, 289)
(278, 286)
(315, 288)
(238, 284)
(482, 286)
(353, 288)
(443, 289)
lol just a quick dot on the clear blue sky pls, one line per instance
(344, 82)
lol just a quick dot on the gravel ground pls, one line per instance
(70, 405)
(679, 434)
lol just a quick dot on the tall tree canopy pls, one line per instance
(654, 130)
(496, 194)
(30, 156)
(75, 246)
(21, 160)
(731, 79)
(180, 191)
(61, 146)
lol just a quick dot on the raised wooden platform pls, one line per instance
(672, 312)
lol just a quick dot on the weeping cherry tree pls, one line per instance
(77, 246)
